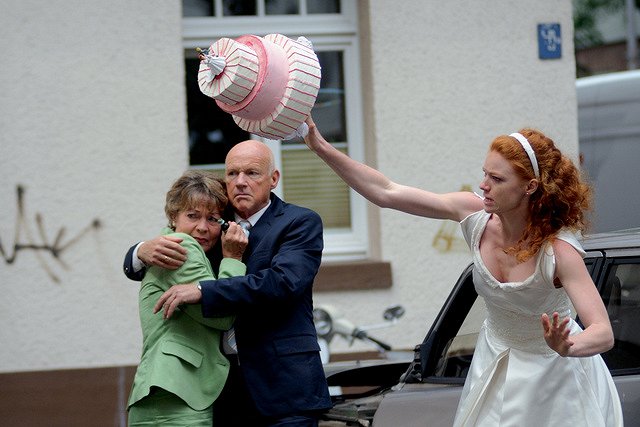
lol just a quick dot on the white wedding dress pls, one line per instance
(515, 379)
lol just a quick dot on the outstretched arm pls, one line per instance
(380, 190)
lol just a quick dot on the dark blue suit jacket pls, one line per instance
(277, 344)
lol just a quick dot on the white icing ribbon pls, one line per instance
(529, 150)
(216, 65)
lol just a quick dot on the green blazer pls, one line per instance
(182, 354)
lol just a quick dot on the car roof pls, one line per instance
(605, 88)
(620, 239)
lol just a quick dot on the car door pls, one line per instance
(431, 389)
(618, 280)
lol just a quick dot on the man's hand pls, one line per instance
(556, 333)
(163, 251)
(175, 296)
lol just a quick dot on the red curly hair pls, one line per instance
(562, 198)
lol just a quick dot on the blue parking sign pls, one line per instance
(549, 41)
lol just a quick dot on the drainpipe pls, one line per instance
(632, 37)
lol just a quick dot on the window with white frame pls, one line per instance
(332, 27)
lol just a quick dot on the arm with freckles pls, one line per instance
(597, 336)
(380, 190)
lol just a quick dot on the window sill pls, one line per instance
(353, 275)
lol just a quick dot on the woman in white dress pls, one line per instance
(533, 364)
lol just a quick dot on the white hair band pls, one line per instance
(527, 147)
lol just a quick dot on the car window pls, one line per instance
(460, 351)
(592, 262)
(621, 295)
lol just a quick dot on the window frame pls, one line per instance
(613, 259)
(326, 32)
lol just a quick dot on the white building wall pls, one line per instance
(93, 129)
(92, 123)
(448, 77)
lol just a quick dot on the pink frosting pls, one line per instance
(271, 81)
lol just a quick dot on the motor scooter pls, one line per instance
(330, 322)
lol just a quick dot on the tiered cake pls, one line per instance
(269, 84)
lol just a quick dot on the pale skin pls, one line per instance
(506, 197)
(250, 175)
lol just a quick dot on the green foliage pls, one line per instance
(585, 13)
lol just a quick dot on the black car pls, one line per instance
(426, 391)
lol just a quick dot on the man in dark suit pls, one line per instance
(278, 378)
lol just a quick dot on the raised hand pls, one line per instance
(234, 242)
(313, 138)
(556, 333)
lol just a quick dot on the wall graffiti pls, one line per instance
(25, 239)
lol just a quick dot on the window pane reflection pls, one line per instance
(282, 7)
(212, 132)
(323, 6)
(329, 109)
(238, 7)
(622, 298)
(197, 8)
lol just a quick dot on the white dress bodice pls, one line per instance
(515, 378)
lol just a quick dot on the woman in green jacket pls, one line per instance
(182, 369)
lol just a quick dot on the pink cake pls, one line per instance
(268, 84)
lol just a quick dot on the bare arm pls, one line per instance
(597, 336)
(380, 190)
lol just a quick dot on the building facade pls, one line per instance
(97, 120)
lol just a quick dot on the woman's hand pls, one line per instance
(556, 333)
(313, 139)
(234, 242)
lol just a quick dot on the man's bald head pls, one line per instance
(250, 175)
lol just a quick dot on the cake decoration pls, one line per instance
(268, 84)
